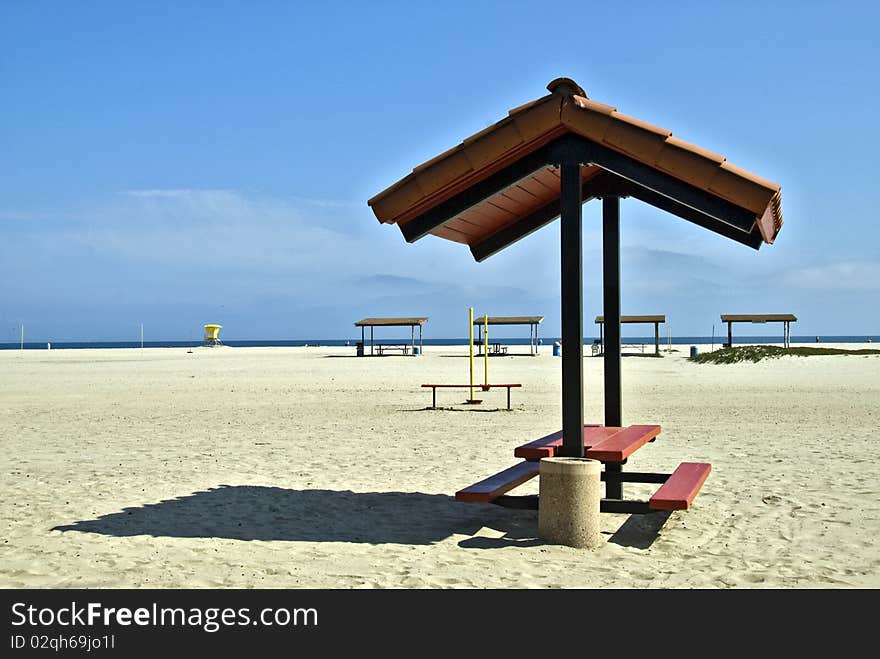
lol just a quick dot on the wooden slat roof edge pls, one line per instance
(636, 319)
(510, 320)
(567, 109)
(392, 321)
(410, 183)
(758, 317)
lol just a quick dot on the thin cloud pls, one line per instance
(391, 280)
(843, 275)
(329, 203)
(266, 257)
(14, 216)
(173, 193)
(240, 237)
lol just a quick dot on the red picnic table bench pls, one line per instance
(611, 446)
(481, 387)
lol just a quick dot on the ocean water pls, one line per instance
(544, 341)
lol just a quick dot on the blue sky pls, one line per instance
(175, 164)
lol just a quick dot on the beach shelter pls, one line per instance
(785, 318)
(483, 322)
(412, 323)
(655, 320)
(543, 161)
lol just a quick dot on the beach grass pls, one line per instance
(756, 353)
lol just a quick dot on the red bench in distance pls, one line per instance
(481, 387)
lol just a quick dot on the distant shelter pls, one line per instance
(656, 320)
(531, 321)
(785, 318)
(372, 323)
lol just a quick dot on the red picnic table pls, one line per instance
(612, 446)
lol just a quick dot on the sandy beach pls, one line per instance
(312, 468)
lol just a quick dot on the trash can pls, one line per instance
(416, 350)
(557, 349)
(693, 351)
(359, 347)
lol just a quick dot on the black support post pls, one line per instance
(572, 311)
(729, 334)
(657, 339)
(611, 312)
(611, 290)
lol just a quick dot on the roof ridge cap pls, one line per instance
(566, 87)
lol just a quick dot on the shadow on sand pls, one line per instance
(464, 408)
(640, 531)
(492, 355)
(249, 512)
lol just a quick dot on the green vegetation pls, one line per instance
(757, 353)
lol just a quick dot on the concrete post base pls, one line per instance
(569, 493)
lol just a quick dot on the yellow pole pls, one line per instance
(471, 346)
(486, 351)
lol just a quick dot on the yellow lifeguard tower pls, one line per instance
(212, 335)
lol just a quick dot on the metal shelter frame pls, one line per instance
(656, 320)
(412, 323)
(785, 318)
(531, 321)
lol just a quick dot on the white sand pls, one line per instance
(310, 467)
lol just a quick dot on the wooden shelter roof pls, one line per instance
(509, 320)
(636, 319)
(391, 322)
(758, 318)
(496, 186)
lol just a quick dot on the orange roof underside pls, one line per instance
(566, 110)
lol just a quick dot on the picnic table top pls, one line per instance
(604, 443)
(484, 387)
